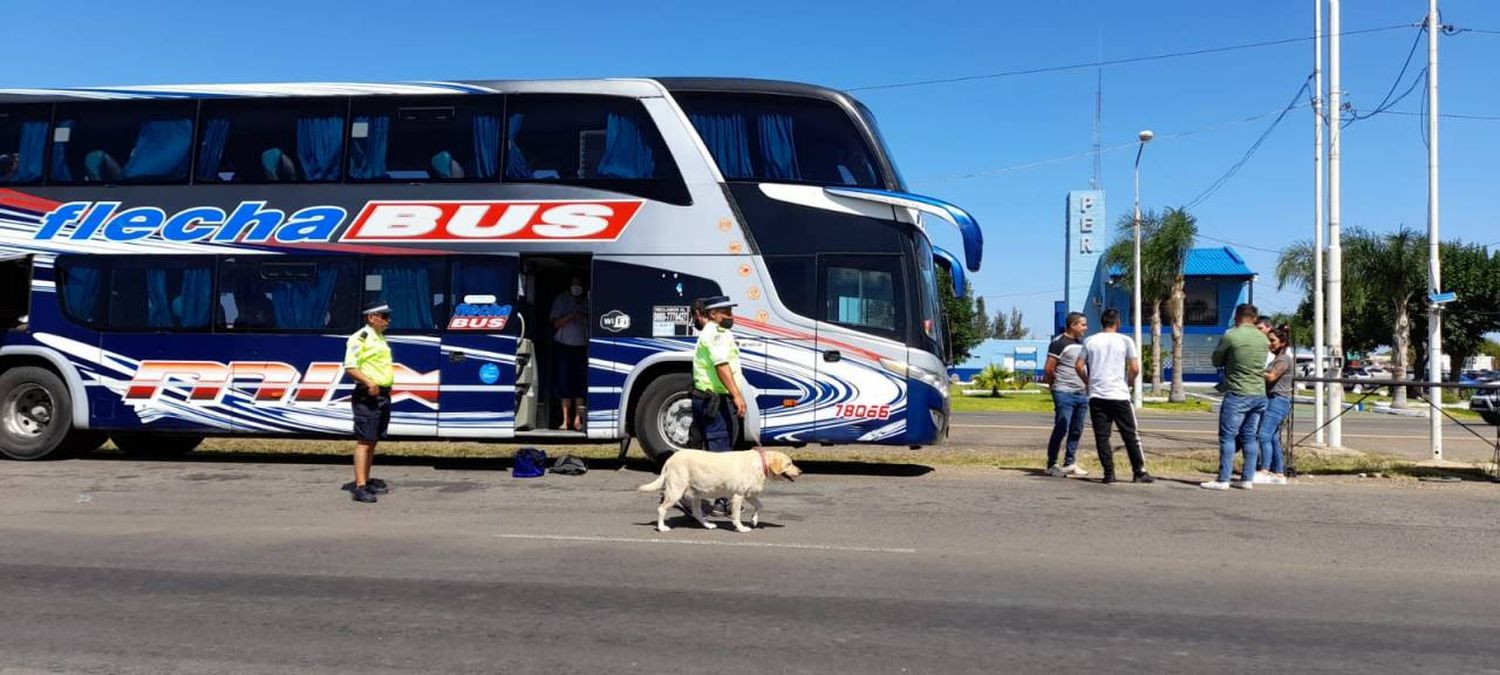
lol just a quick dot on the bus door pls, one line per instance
(561, 329)
(860, 398)
(487, 360)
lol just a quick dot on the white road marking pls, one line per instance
(691, 542)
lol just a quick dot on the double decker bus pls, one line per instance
(178, 262)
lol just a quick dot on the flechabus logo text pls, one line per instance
(255, 222)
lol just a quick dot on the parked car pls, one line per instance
(1486, 402)
(1371, 373)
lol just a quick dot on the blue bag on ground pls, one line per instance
(530, 463)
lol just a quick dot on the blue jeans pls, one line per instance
(1069, 409)
(1239, 417)
(1277, 408)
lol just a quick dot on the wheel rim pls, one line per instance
(676, 421)
(27, 411)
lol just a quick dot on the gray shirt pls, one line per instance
(1283, 385)
(1067, 351)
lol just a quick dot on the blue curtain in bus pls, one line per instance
(162, 148)
(626, 154)
(408, 291)
(486, 146)
(320, 146)
(211, 151)
(367, 155)
(516, 166)
(728, 140)
(158, 305)
(778, 150)
(29, 160)
(304, 304)
(60, 172)
(81, 291)
(193, 305)
(478, 278)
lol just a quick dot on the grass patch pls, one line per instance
(1042, 403)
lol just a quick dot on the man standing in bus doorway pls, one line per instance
(1070, 396)
(1111, 362)
(717, 403)
(367, 360)
(570, 319)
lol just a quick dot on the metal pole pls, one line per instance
(1434, 259)
(1135, 306)
(1335, 252)
(1319, 415)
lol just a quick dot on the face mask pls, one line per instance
(576, 290)
(726, 323)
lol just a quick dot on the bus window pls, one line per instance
(23, 143)
(781, 138)
(286, 293)
(79, 282)
(122, 143)
(446, 139)
(865, 292)
(274, 141)
(160, 293)
(15, 289)
(598, 141)
(415, 288)
(795, 284)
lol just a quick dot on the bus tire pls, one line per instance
(36, 414)
(155, 446)
(663, 416)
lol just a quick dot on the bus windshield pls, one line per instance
(778, 138)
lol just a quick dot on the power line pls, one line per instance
(1388, 102)
(1250, 152)
(1418, 113)
(1113, 62)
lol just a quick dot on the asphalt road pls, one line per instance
(112, 565)
(1368, 432)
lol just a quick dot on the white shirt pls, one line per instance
(1106, 355)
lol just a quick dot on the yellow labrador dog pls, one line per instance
(700, 475)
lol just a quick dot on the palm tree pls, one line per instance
(1393, 268)
(1295, 266)
(1168, 250)
(1156, 281)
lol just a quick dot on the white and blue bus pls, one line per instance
(179, 262)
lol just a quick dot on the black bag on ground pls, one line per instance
(569, 465)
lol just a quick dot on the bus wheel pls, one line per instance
(36, 414)
(155, 446)
(664, 416)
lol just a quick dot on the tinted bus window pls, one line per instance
(865, 292)
(23, 143)
(415, 288)
(600, 141)
(271, 141)
(795, 282)
(781, 138)
(122, 143)
(160, 294)
(286, 293)
(80, 282)
(440, 139)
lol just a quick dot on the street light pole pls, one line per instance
(1335, 294)
(1320, 370)
(1434, 244)
(1135, 307)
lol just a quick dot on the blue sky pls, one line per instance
(939, 133)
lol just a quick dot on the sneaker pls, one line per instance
(1054, 471)
(1214, 485)
(374, 485)
(1277, 479)
(1074, 470)
(362, 493)
(1144, 477)
(1109, 479)
(721, 506)
(1244, 484)
(1260, 477)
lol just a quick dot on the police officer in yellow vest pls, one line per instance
(717, 402)
(367, 360)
